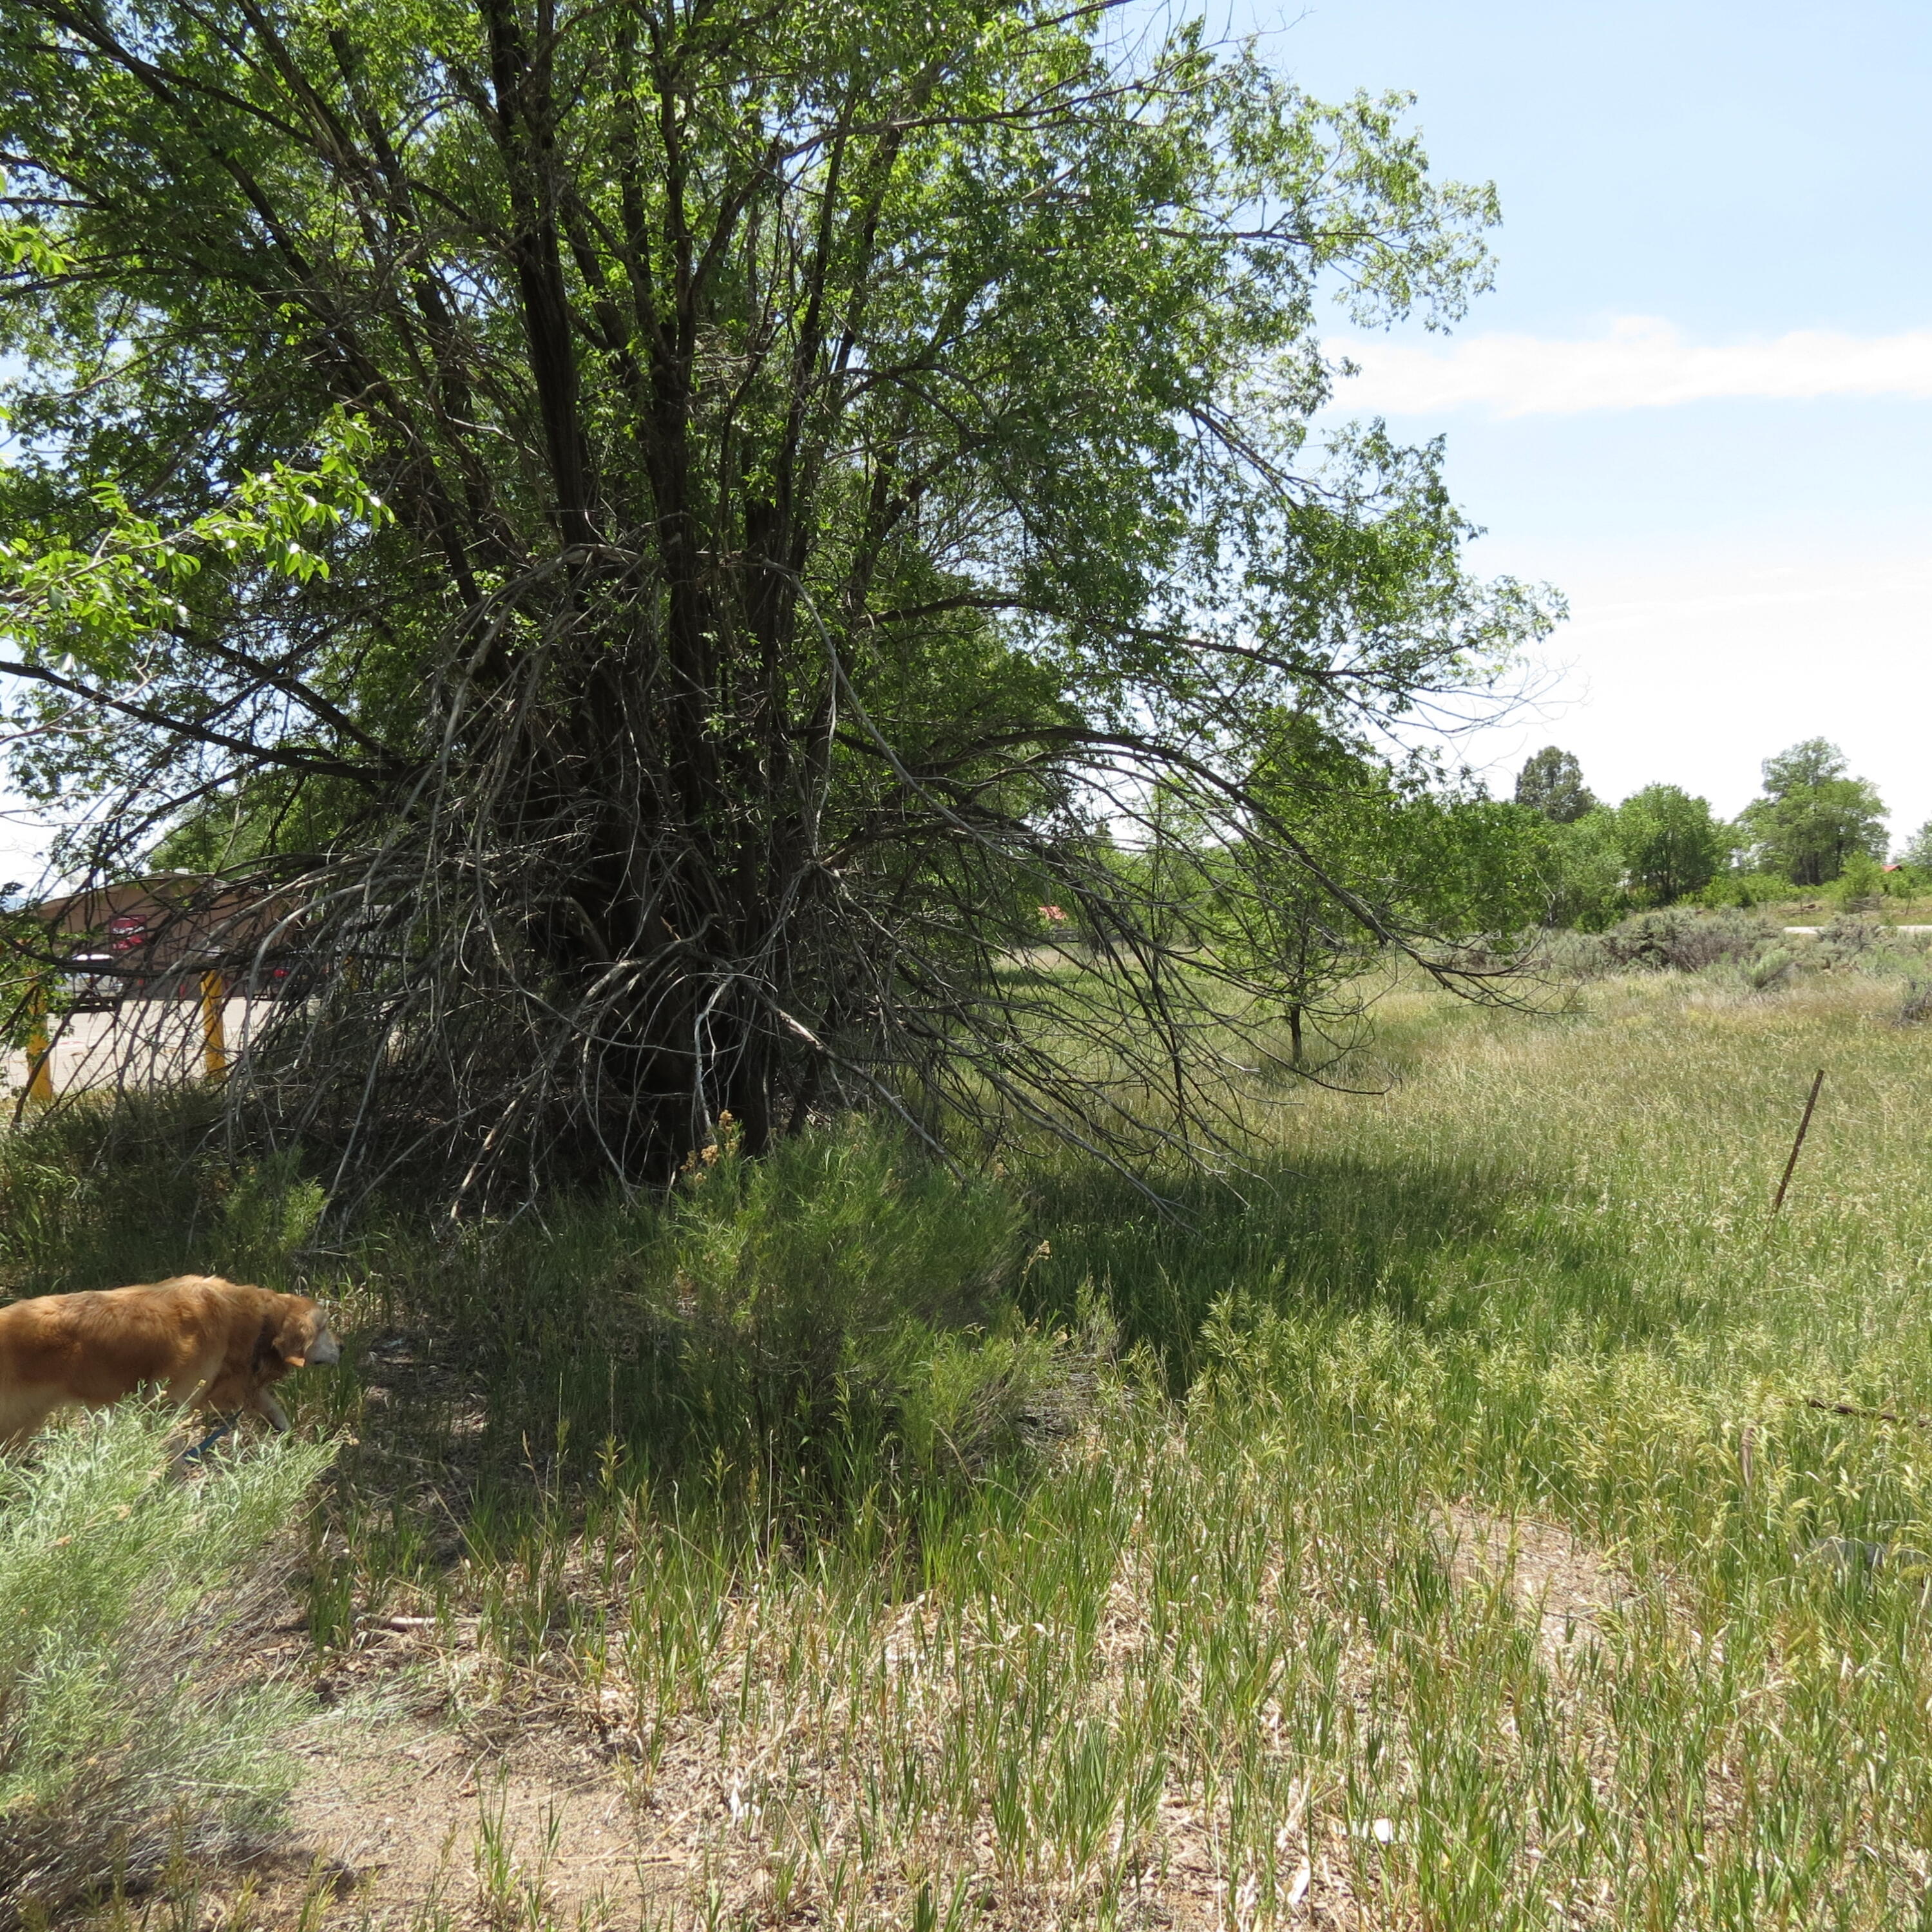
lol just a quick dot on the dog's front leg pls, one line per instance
(263, 1402)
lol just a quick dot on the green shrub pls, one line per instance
(835, 1315)
(1745, 889)
(123, 1588)
(1772, 970)
(1861, 884)
(268, 1215)
(848, 1289)
(1677, 938)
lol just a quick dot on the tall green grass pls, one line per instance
(108, 1189)
(1248, 1647)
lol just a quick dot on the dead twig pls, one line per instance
(1867, 1414)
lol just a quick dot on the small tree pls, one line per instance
(1861, 883)
(1381, 853)
(1813, 816)
(1917, 850)
(1670, 843)
(1552, 783)
(1337, 801)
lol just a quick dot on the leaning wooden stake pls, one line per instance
(1804, 1127)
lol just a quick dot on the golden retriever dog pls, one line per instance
(204, 1342)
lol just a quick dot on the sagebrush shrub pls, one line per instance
(1576, 956)
(1771, 970)
(126, 1731)
(1848, 941)
(1676, 938)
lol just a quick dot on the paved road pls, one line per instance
(147, 1043)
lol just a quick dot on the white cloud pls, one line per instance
(1643, 363)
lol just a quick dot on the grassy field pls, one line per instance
(1454, 1540)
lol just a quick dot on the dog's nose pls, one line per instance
(326, 1349)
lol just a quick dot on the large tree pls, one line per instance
(665, 529)
(1813, 816)
(1671, 845)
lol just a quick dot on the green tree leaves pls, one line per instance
(1813, 816)
(93, 609)
(1670, 843)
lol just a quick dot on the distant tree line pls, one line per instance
(1813, 825)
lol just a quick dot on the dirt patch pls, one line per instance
(408, 1816)
(1570, 1586)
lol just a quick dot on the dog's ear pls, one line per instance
(295, 1331)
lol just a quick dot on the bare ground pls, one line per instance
(1552, 1574)
(421, 1808)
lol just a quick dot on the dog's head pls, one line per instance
(301, 1334)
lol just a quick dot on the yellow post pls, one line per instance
(40, 1051)
(213, 1035)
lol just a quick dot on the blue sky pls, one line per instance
(1698, 399)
